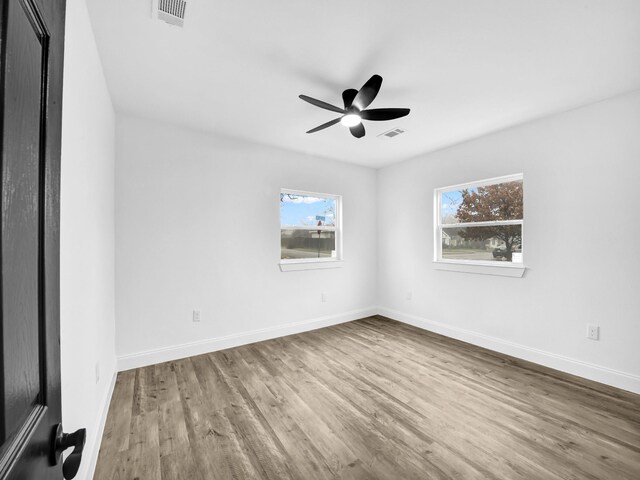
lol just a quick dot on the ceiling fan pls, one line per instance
(355, 102)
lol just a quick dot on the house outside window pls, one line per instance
(480, 222)
(310, 227)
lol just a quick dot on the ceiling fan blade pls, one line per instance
(347, 97)
(321, 104)
(368, 92)
(357, 131)
(384, 113)
(325, 125)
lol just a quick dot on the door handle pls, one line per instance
(60, 442)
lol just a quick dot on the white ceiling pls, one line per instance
(465, 68)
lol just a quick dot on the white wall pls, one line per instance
(87, 236)
(581, 183)
(197, 227)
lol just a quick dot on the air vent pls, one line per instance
(170, 11)
(392, 133)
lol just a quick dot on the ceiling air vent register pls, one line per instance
(169, 11)
(392, 133)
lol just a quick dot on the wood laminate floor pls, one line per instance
(371, 399)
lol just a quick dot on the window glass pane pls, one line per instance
(305, 210)
(502, 243)
(307, 244)
(500, 201)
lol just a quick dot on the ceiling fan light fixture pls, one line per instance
(355, 108)
(351, 120)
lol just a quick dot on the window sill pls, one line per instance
(482, 269)
(310, 265)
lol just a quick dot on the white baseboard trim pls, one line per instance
(91, 457)
(615, 378)
(151, 357)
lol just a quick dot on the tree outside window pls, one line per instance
(481, 221)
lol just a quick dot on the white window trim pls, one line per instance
(297, 264)
(310, 265)
(482, 268)
(474, 266)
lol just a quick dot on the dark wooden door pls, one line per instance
(32, 40)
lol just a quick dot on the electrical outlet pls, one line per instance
(593, 332)
(196, 315)
(323, 297)
(97, 372)
(409, 295)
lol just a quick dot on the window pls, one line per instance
(480, 222)
(309, 227)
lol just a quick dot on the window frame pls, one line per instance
(287, 264)
(476, 266)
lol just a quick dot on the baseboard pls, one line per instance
(91, 457)
(615, 378)
(151, 357)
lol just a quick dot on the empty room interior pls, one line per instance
(349, 240)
